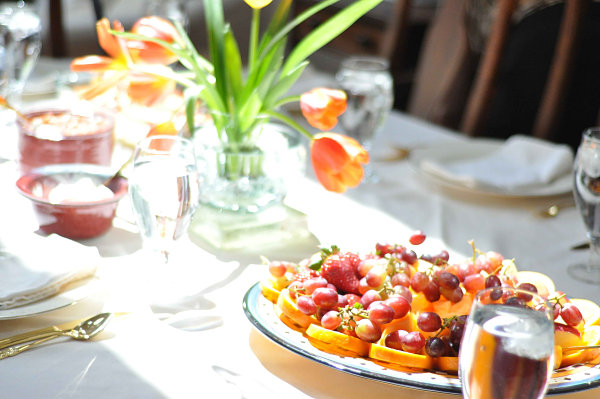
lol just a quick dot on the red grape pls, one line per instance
(367, 330)
(452, 294)
(400, 305)
(352, 299)
(403, 292)
(331, 320)
(431, 291)
(409, 256)
(429, 321)
(526, 287)
(492, 281)
(446, 279)
(394, 339)
(363, 286)
(418, 281)
(515, 301)
(412, 342)
(369, 297)
(401, 279)
(418, 237)
(375, 277)
(571, 314)
(325, 297)
(306, 305)
(474, 282)
(277, 269)
(380, 313)
(313, 283)
(435, 347)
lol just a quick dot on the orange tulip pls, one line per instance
(110, 44)
(258, 4)
(337, 161)
(147, 89)
(162, 129)
(321, 107)
(153, 53)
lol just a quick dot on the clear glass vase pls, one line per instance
(251, 177)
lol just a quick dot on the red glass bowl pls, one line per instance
(75, 220)
(84, 139)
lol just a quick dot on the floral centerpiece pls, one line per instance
(239, 100)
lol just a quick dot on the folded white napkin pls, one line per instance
(35, 267)
(521, 162)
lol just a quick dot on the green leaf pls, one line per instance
(283, 85)
(234, 65)
(327, 32)
(215, 26)
(190, 110)
(249, 111)
(278, 21)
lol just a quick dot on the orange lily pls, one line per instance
(322, 106)
(337, 161)
(147, 89)
(154, 53)
(258, 4)
(110, 44)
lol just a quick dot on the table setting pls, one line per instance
(169, 299)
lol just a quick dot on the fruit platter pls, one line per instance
(399, 317)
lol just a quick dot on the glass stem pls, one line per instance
(594, 257)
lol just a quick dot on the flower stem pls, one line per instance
(290, 122)
(253, 37)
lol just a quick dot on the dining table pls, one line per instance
(210, 346)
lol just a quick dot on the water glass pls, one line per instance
(507, 350)
(163, 187)
(369, 87)
(20, 45)
(586, 189)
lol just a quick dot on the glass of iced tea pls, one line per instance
(507, 350)
(61, 136)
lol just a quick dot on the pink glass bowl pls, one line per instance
(86, 139)
(75, 220)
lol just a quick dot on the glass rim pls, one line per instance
(366, 63)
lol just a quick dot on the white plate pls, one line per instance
(472, 149)
(77, 292)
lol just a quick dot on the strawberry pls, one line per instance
(341, 271)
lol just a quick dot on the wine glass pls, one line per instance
(586, 189)
(163, 187)
(369, 88)
(507, 350)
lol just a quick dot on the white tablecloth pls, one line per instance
(141, 357)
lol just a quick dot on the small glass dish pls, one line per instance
(70, 200)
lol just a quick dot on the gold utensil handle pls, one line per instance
(15, 350)
(29, 337)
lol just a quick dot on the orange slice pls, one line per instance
(448, 364)
(542, 282)
(446, 309)
(267, 287)
(420, 304)
(290, 309)
(338, 340)
(589, 310)
(389, 355)
(591, 336)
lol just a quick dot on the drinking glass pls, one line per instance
(164, 190)
(507, 350)
(369, 88)
(586, 189)
(20, 45)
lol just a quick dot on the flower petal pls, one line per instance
(95, 63)
(337, 161)
(147, 89)
(154, 53)
(258, 4)
(322, 106)
(107, 40)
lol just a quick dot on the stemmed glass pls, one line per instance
(586, 188)
(507, 350)
(164, 190)
(20, 45)
(369, 87)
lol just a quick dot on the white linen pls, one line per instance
(520, 162)
(35, 267)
